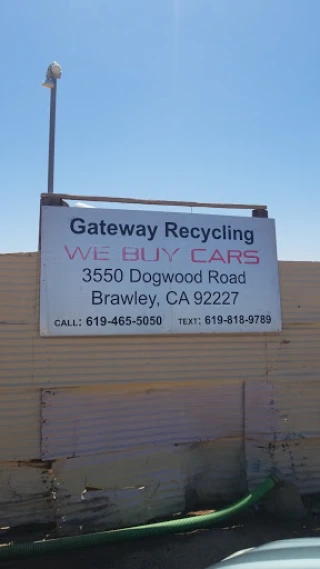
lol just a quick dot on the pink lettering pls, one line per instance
(170, 256)
(77, 250)
(234, 254)
(130, 254)
(216, 256)
(143, 256)
(193, 257)
(101, 253)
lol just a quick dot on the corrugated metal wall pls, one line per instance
(104, 432)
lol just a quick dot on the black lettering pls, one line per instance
(213, 276)
(214, 233)
(205, 234)
(184, 232)
(112, 229)
(93, 229)
(171, 301)
(126, 299)
(171, 228)
(167, 277)
(126, 229)
(102, 227)
(79, 228)
(248, 237)
(184, 298)
(96, 297)
(135, 275)
(233, 279)
(152, 232)
(236, 233)
(242, 278)
(141, 231)
(195, 232)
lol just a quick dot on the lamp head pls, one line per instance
(48, 82)
(56, 70)
(53, 72)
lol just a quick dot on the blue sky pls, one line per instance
(208, 100)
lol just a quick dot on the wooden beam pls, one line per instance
(153, 202)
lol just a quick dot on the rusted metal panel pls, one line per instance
(297, 461)
(19, 424)
(145, 483)
(215, 470)
(143, 454)
(282, 410)
(177, 403)
(119, 488)
(91, 421)
(26, 495)
(282, 431)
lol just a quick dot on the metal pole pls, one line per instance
(52, 133)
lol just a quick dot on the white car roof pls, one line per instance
(302, 553)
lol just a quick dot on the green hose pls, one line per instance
(32, 549)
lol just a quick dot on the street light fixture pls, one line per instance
(53, 73)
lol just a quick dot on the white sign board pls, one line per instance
(112, 271)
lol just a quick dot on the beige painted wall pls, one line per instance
(102, 432)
